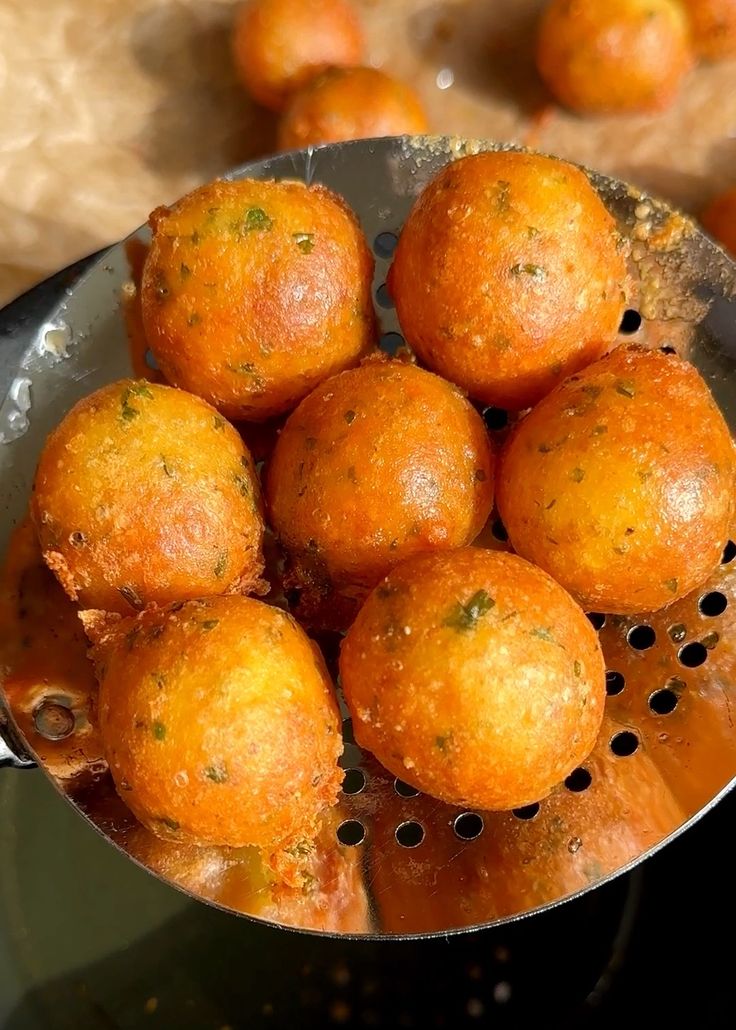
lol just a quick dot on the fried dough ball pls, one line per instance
(712, 27)
(377, 464)
(145, 495)
(218, 721)
(475, 677)
(280, 44)
(509, 275)
(620, 484)
(350, 103)
(597, 56)
(253, 292)
(719, 218)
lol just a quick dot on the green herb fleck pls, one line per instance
(535, 272)
(170, 824)
(551, 504)
(503, 196)
(184, 271)
(168, 470)
(194, 319)
(671, 585)
(543, 633)
(443, 743)
(209, 624)
(242, 484)
(221, 565)
(577, 475)
(626, 388)
(545, 448)
(128, 412)
(218, 421)
(304, 241)
(255, 219)
(599, 430)
(301, 848)
(463, 617)
(577, 668)
(159, 679)
(349, 417)
(644, 474)
(351, 474)
(132, 596)
(159, 730)
(532, 232)
(592, 391)
(217, 773)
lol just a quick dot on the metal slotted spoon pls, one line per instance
(390, 861)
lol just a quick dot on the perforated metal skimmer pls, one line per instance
(391, 861)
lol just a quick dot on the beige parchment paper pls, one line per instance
(110, 107)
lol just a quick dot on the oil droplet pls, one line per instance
(445, 78)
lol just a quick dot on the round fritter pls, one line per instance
(350, 103)
(475, 677)
(600, 56)
(712, 27)
(279, 44)
(218, 721)
(253, 292)
(621, 483)
(144, 495)
(719, 218)
(377, 464)
(509, 275)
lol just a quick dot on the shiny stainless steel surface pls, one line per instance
(667, 750)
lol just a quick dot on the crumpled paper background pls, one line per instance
(110, 107)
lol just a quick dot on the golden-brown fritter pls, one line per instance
(509, 275)
(144, 495)
(253, 292)
(280, 44)
(350, 103)
(621, 483)
(597, 56)
(218, 721)
(712, 27)
(475, 677)
(377, 464)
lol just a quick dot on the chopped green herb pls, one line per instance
(577, 668)
(532, 231)
(463, 617)
(626, 388)
(132, 596)
(599, 430)
(195, 237)
(621, 548)
(551, 504)
(543, 633)
(209, 624)
(349, 417)
(509, 615)
(302, 847)
(535, 272)
(242, 484)
(351, 474)
(221, 565)
(443, 742)
(170, 824)
(159, 730)
(194, 319)
(184, 271)
(218, 421)
(545, 448)
(255, 219)
(502, 198)
(592, 391)
(140, 389)
(577, 475)
(304, 241)
(168, 470)
(217, 773)
(671, 585)
(644, 474)
(159, 679)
